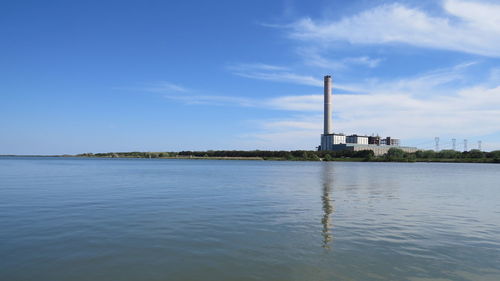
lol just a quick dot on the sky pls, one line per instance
(102, 76)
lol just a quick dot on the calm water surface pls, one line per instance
(141, 219)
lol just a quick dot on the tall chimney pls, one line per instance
(328, 105)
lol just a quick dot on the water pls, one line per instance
(143, 219)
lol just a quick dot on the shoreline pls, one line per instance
(255, 158)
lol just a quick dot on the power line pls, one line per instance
(445, 145)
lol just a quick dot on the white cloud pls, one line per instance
(314, 56)
(300, 123)
(423, 84)
(408, 108)
(483, 16)
(367, 61)
(280, 74)
(441, 102)
(470, 112)
(397, 108)
(282, 139)
(176, 92)
(295, 132)
(269, 72)
(296, 103)
(245, 67)
(400, 112)
(283, 77)
(471, 27)
(163, 87)
(211, 100)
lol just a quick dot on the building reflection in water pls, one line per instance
(326, 221)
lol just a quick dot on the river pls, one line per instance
(155, 219)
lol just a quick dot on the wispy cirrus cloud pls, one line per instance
(283, 77)
(272, 73)
(364, 60)
(299, 131)
(179, 93)
(435, 82)
(313, 56)
(163, 87)
(280, 74)
(428, 83)
(193, 99)
(245, 67)
(296, 103)
(159, 87)
(466, 26)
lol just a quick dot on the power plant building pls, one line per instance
(357, 139)
(334, 141)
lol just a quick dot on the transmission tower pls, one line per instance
(479, 143)
(454, 142)
(436, 139)
(465, 145)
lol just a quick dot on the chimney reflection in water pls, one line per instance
(327, 172)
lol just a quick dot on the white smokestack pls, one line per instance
(328, 105)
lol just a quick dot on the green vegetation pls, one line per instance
(297, 155)
(472, 156)
(393, 155)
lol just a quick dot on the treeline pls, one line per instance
(307, 155)
(393, 155)
(134, 154)
(474, 155)
(279, 155)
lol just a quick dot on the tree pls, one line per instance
(448, 154)
(395, 153)
(365, 154)
(314, 157)
(328, 157)
(426, 154)
(476, 153)
(494, 154)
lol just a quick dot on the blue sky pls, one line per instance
(98, 76)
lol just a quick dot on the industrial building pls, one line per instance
(335, 141)
(357, 139)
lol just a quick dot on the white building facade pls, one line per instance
(357, 139)
(329, 140)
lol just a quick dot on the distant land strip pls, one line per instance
(394, 155)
